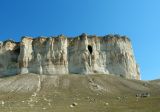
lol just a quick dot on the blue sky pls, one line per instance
(138, 19)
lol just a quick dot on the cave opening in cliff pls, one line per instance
(14, 54)
(17, 50)
(90, 49)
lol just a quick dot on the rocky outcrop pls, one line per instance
(9, 51)
(111, 54)
(43, 55)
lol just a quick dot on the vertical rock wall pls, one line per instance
(9, 51)
(85, 56)
(111, 54)
(43, 55)
(119, 57)
(25, 56)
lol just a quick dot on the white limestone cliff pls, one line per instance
(44, 55)
(25, 55)
(111, 54)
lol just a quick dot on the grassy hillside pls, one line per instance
(77, 93)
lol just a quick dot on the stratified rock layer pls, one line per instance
(111, 54)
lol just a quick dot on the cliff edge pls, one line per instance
(85, 54)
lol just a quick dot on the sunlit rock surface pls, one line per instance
(43, 55)
(85, 54)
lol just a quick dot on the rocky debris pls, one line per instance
(138, 95)
(90, 100)
(145, 84)
(2, 103)
(73, 104)
(122, 98)
(95, 86)
(143, 95)
(86, 54)
(106, 103)
(118, 98)
(44, 108)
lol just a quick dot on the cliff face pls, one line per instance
(110, 54)
(9, 51)
(43, 56)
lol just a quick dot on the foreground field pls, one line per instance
(77, 93)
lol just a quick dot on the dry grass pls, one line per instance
(94, 93)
